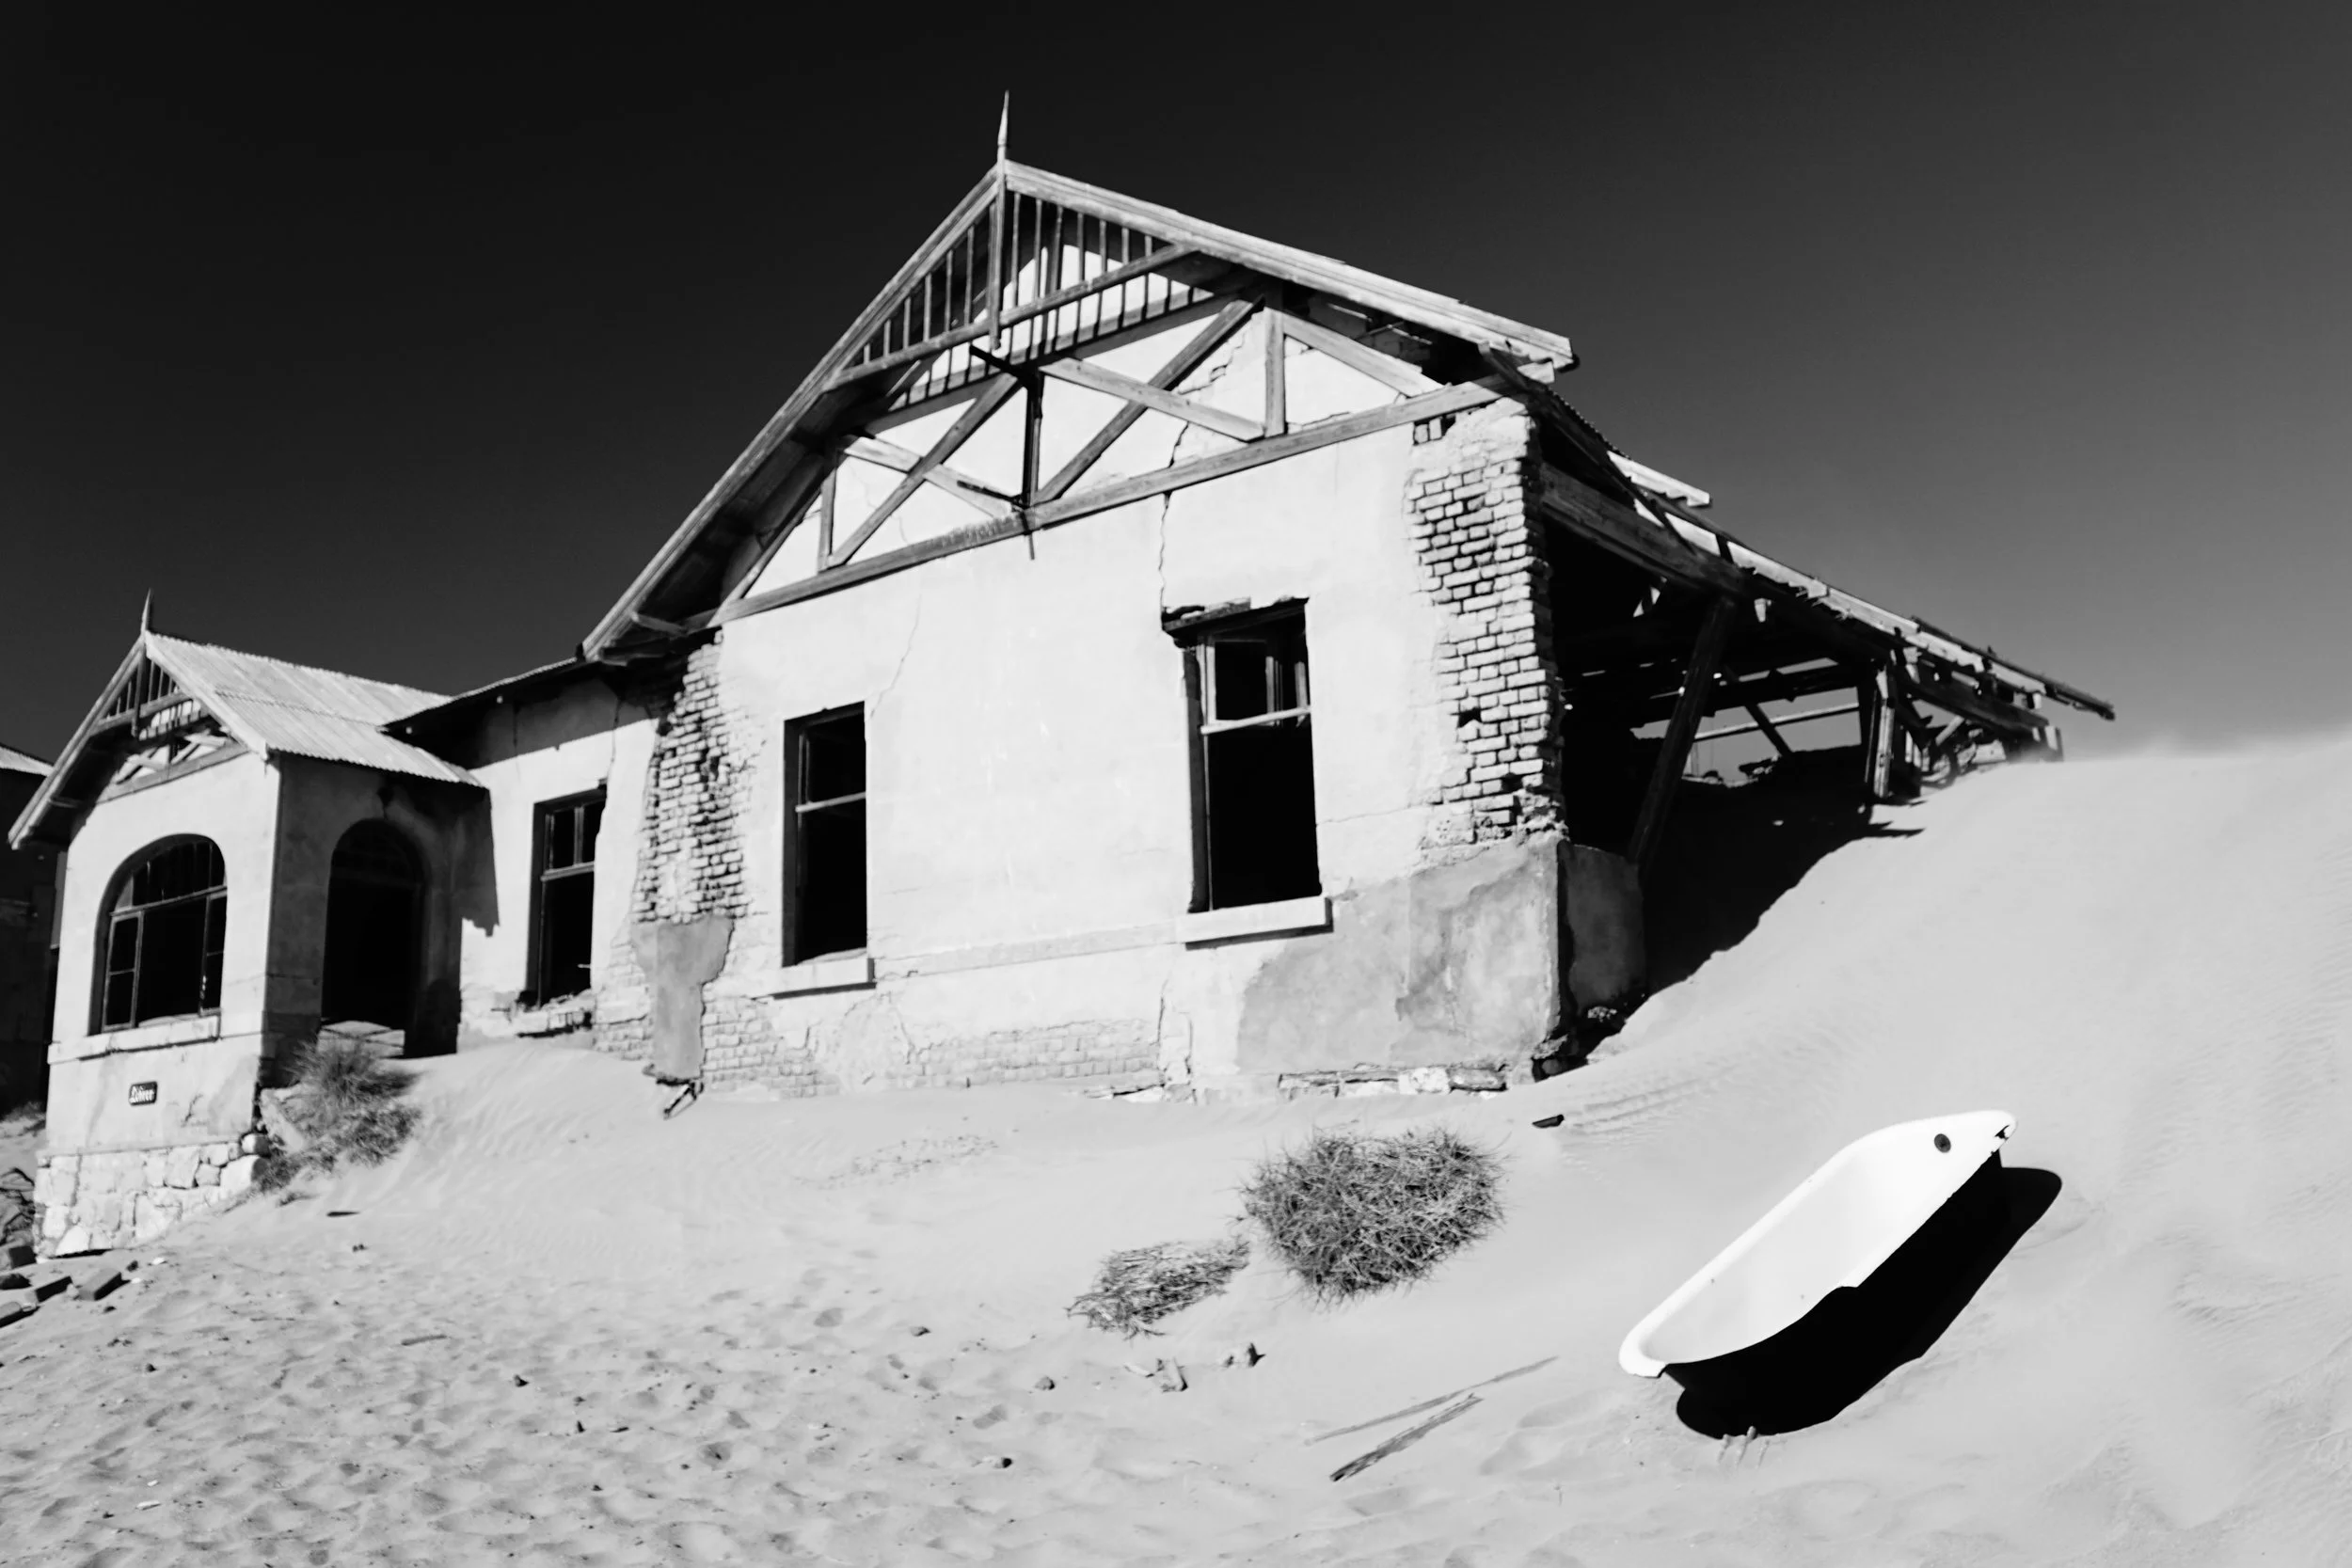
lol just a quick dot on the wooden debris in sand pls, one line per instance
(1404, 1439)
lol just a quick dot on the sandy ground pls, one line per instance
(560, 1330)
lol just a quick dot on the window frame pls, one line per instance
(1198, 637)
(211, 938)
(535, 992)
(794, 920)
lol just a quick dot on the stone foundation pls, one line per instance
(94, 1202)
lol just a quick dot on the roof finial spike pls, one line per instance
(1004, 128)
(147, 613)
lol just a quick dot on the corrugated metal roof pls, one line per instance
(14, 761)
(273, 706)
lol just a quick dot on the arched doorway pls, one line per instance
(372, 891)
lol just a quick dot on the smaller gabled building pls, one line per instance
(250, 856)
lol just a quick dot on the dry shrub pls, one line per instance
(1353, 1212)
(1137, 1288)
(349, 1103)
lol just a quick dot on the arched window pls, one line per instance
(164, 931)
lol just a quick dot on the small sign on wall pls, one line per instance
(143, 1094)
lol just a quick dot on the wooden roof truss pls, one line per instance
(1033, 279)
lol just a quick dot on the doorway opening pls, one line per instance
(372, 892)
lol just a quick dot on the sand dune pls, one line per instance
(560, 1330)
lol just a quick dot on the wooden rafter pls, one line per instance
(926, 466)
(992, 397)
(1060, 299)
(1693, 704)
(1277, 414)
(1355, 356)
(1995, 714)
(1079, 372)
(1103, 498)
(1186, 360)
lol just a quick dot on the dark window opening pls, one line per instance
(566, 894)
(825, 840)
(165, 931)
(1254, 787)
(372, 889)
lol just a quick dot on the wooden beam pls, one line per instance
(1878, 737)
(942, 343)
(1774, 686)
(829, 504)
(1278, 397)
(1450, 400)
(1675, 750)
(1186, 360)
(889, 454)
(1621, 531)
(886, 411)
(780, 427)
(1993, 714)
(983, 407)
(1080, 372)
(1355, 356)
(1771, 731)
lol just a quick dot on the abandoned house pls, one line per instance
(1137, 651)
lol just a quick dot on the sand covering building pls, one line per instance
(1137, 651)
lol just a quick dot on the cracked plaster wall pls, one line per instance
(1028, 789)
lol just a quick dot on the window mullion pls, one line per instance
(138, 952)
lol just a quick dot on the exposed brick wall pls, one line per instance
(691, 858)
(741, 1044)
(1482, 551)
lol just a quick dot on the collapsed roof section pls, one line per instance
(173, 706)
(1036, 284)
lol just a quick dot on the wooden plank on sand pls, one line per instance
(1402, 1439)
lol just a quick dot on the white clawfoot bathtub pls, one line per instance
(1835, 1229)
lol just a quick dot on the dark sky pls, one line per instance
(396, 342)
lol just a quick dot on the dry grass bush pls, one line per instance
(1136, 1289)
(1353, 1212)
(350, 1102)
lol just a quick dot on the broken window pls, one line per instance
(565, 892)
(1254, 780)
(165, 929)
(825, 840)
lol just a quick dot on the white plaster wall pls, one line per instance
(1027, 745)
(581, 739)
(234, 804)
(1328, 527)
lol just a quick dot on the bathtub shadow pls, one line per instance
(1818, 1365)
